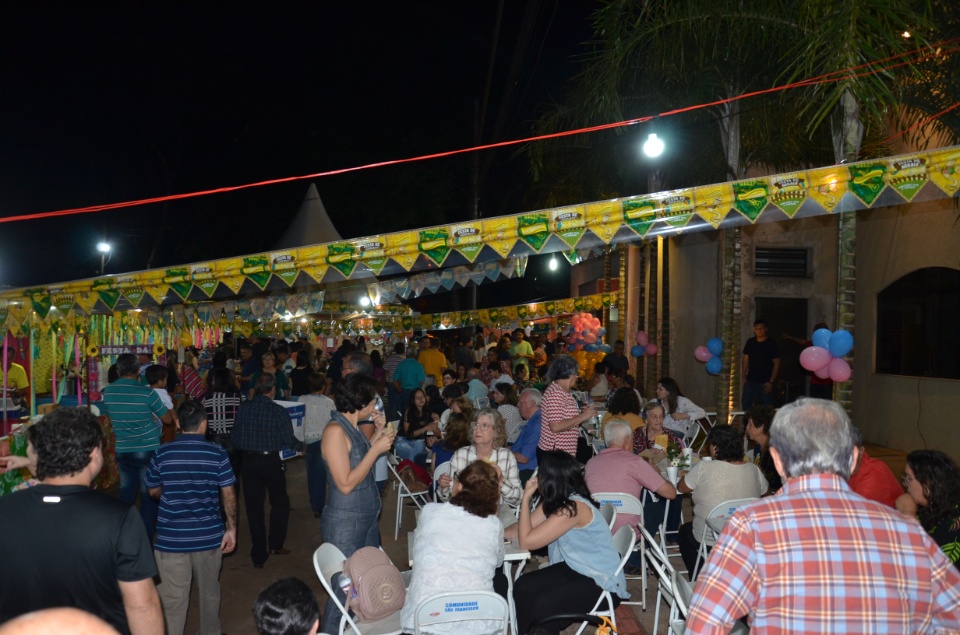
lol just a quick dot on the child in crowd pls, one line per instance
(156, 376)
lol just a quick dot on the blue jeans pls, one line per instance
(348, 531)
(316, 477)
(753, 393)
(409, 448)
(133, 470)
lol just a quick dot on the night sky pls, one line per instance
(107, 103)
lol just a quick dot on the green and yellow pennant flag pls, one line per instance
(39, 300)
(907, 175)
(866, 181)
(340, 257)
(257, 270)
(750, 198)
(433, 244)
(178, 279)
(640, 213)
(534, 229)
(107, 292)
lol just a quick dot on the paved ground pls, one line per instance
(241, 583)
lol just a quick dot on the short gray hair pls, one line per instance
(265, 384)
(563, 366)
(615, 431)
(813, 436)
(534, 394)
(411, 352)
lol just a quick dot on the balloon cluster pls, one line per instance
(587, 334)
(824, 358)
(710, 355)
(644, 346)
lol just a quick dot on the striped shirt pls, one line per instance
(131, 407)
(390, 365)
(190, 472)
(818, 558)
(192, 383)
(557, 404)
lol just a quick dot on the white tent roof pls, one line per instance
(311, 225)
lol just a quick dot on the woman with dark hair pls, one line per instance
(300, 377)
(759, 419)
(679, 412)
(464, 563)
(455, 436)
(349, 518)
(560, 415)
(435, 403)
(221, 404)
(521, 378)
(582, 555)
(505, 397)
(417, 421)
(726, 477)
(932, 481)
(449, 377)
(624, 405)
(479, 349)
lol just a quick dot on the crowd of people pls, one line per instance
(504, 414)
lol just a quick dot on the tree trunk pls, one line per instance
(847, 129)
(649, 363)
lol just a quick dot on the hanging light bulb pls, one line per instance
(364, 301)
(653, 146)
(553, 263)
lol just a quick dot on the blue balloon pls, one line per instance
(605, 348)
(601, 331)
(821, 338)
(590, 348)
(637, 351)
(840, 343)
(714, 365)
(715, 346)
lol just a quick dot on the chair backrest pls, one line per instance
(682, 593)
(440, 470)
(726, 508)
(609, 514)
(623, 503)
(462, 607)
(624, 540)
(328, 560)
(657, 559)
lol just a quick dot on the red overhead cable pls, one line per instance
(832, 77)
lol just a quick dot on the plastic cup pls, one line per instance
(687, 454)
(672, 474)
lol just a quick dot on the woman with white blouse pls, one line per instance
(680, 411)
(489, 435)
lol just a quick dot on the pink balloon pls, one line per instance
(702, 354)
(651, 349)
(813, 358)
(642, 338)
(839, 370)
(823, 373)
(590, 338)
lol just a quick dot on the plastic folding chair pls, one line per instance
(328, 561)
(623, 540)
(630, 505)
(462, 607)
(403, 493)
(438, 471)
(722, 511)
(661, 566)
(609, 514)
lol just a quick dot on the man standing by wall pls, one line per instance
(191, 476)
(263, 428)
(131, 407)
(761, 365)
(521, 352)
(65, 544)
(818, 558)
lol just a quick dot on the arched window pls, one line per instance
(918, 324)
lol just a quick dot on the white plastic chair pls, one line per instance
(682, 594)
(721, 511)
(438, 471)
(623, 540)
(462, 607)
(630, 505)
(664, 570)
(328, 560)
(403, 493)
(706, 424)
(609, 514)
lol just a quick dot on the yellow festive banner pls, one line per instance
(943, 168)
(500, 234)
(828, 185)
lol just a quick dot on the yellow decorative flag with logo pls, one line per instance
(713, 202)
(828, 185)
(943, 169)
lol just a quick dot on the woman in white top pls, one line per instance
(317, 415)
(505, 396)
(727, 477)
(489, 436)
(680, 411)
(459, 546)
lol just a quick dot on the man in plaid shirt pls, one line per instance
(819, 558)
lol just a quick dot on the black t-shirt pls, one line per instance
(617, 361)
(761, 356)
(300, 381)
(69, 545)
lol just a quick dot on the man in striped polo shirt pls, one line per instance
(131, 407)
(191, 476)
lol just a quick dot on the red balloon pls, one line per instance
(651, 349)
(813, 358)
